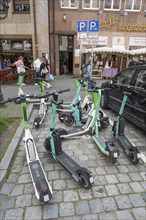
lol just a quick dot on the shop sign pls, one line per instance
(137, 41)
(132, 27)
(110, 22)
(118, 40)
(103, 40)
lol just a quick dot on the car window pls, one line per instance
(124, 77)
(141, 79)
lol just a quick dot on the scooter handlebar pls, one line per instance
(63, 90)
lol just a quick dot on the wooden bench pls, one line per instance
(7, 76)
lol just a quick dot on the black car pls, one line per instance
(135, 109)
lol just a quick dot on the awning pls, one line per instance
(138, 51)
(109, 50)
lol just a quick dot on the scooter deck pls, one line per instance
(68, 163)
(125, 141)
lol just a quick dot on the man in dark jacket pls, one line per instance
(141, 60)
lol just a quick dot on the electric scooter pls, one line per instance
(74, 115)
(87, 128)
(43, 190)
(42, 110)
(53, 145)
(118, 129)
(108, 148)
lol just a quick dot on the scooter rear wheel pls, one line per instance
(68, 120)
(37, 122)
(104, 123)
(133, 155)
(61, 116)
(112, 160)
(85, 180)
(42, 189)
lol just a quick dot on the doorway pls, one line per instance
(66, 55)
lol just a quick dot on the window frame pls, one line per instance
(69, 7)
(112, 9)
(133, 10)
(21, 12)
(90, 8)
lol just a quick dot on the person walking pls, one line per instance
(88, 73)
(5, 64)
(20, 69)
(141, 60)
(37, 65)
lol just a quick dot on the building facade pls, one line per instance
(25, 30)
(122, 25)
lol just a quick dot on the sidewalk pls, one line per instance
(118, 190)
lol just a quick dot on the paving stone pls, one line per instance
(98, 191)
(109, 204)
(85, 194)
(28, 188)
(111, 169)
(111, 179)
(57, 197)
(112, 190)
(13, 178)
(122, 169)
(89, 217)
(52, 175)
(124, 188)
(99, 180)
(23, 200)
(123, 177)
(6, 188)
(136, 187)
(2, 212)
(137, 200)
(33, 213)
(50, 212)
(18, 190)
(107, 216)
(123, 161)
(132, 168)
(91, 163)
(139, 213)
(143, 174)
(143, 184)
(100, 171)
(66, 209)
(82, 208)
(14, 214)
(59, 184)
(124, 215)
(9, 203)
(72, 184)
(135, 176)
(123, 202)
(70, 195)
(64, 174)
(96, 206)
(25, 178)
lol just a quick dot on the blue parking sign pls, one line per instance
(82, 26)
(93, 25)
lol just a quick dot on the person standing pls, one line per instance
(88, 73)
(20, 69)
(43, 69)
(37, 65)
(141, 60)
(5, 64)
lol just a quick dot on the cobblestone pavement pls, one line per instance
(118, 191)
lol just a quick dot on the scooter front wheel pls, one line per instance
(133, 155)
(104, 123)
(85, 180)
(37, 122)
(112, 160)
(61, 116)
(47, 145)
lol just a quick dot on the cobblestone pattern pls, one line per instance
(117, 193)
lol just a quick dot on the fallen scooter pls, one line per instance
(53, 145)
(43, 190)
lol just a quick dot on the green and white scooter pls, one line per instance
(108, 148)
(43, 190)
(53, 145)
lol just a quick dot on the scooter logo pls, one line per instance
(67, 161)
(35, 166)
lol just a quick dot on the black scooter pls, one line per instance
(119, 125)
(53, 145)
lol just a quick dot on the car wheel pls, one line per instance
(104, 100)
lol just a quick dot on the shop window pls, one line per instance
(91, 4)
(133, 5)
(69, 3)
(112, 5)
(21, 6)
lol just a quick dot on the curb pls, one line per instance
(9, 155)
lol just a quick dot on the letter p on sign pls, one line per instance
(93, 25)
